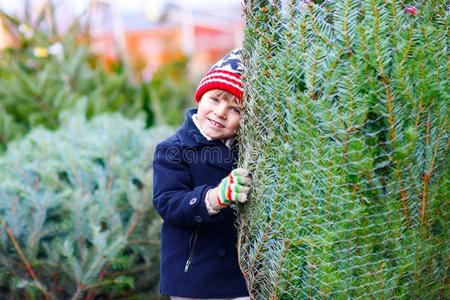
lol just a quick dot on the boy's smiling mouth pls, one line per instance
(215, 124)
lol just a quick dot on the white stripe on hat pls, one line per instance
(222, 81)
(221, 74)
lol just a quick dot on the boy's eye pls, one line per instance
(236, 111)
(215, 99)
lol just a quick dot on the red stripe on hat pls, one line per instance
(220, 76)
(235, 78)
(236, 74)
(238, 93)
(232, 74)
(223, 80)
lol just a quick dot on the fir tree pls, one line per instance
(43, 78)
(76, 216)
(346, 133)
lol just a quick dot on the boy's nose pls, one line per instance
(221, 111)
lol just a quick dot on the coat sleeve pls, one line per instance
(175, 198)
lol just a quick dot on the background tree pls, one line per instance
(46, 73)
(76, 216)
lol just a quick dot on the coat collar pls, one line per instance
(189, 134)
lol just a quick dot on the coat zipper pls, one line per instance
(186, 266)
(192, 242)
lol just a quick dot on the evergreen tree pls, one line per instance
(45, 76)
(346, 133)
(76, 216)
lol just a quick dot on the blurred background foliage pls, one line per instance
(43, 73)
(171, 92)
(76, 141)
(75, 211)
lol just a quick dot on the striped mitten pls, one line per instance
(234, 187)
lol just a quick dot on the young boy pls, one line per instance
(195, 181)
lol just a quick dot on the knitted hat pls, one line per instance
(224, 75)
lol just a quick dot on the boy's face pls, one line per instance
(219, 114)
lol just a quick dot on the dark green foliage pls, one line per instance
(77, 204)
(346, 134)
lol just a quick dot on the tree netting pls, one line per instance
(345, 131)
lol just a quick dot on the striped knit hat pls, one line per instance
(224, 75)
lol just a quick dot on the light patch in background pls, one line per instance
(128, 6)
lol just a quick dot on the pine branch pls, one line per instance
(428, 174)
(28, 266)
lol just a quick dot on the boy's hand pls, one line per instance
(233, 188)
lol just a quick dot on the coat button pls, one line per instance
(193, 201)
(221, 252)
(198, 219)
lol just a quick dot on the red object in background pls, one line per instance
(150, 48)
(411, 10)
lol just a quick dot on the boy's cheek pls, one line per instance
(236, 123)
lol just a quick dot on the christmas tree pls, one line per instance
(346, 133)
(76, 216)
(46, 74)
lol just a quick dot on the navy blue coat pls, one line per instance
(198, 251)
